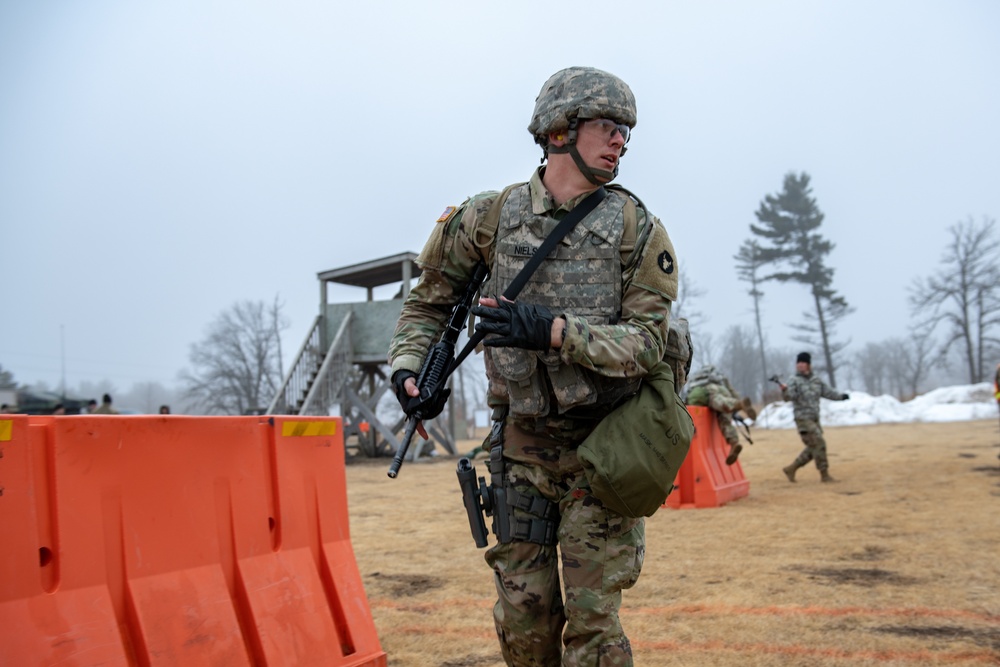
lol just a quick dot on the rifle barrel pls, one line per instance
(397, 460)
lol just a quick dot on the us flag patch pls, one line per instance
(448, 212)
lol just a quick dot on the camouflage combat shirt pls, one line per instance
(624, 347)
(804, 391)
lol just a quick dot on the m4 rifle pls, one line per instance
(438, 366)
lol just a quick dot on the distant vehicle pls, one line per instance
(43, 403)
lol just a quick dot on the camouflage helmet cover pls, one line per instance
(581, 92)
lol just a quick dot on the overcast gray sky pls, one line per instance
(161, 160)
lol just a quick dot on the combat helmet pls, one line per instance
(580, 93)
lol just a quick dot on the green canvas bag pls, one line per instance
(632, 457)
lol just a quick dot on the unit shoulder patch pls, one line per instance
(657, 270)
(666, 262)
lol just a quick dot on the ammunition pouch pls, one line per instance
(540, 527)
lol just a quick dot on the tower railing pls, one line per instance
(333, 374)
(300, 376)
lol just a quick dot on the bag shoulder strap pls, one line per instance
(485, 230)
(633, 238)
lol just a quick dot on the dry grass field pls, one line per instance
(897, 563)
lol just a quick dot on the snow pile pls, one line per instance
(961, 403)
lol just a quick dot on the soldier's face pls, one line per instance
(802, 367)
(600, 143)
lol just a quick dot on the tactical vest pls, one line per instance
(582, 276)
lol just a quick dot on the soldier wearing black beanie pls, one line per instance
(804, 391)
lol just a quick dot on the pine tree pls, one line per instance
(789, 224)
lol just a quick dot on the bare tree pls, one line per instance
(704, 349)
(237, 365)
(738, 360)
(916, 358)
(963, 296)
(897, 351)
(687, 295)
(872, 366)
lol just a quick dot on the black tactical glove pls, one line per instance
(398, 385)
(844, 397)
(516, 325)
(429, 405)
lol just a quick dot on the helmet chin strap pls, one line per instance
(590, 173)
(594, 176)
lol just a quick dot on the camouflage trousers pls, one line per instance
(723, 403)
(601, 553)
(812, 437)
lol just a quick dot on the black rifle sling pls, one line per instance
(565, 226)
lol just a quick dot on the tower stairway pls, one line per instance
(341, 367)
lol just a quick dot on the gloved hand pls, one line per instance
(399, 387)
(429, 405)
(845, 397)
(516, 324)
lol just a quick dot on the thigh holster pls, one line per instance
(541, 524)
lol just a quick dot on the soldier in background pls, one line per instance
(105, 408)
(804, 391)
(589, 324)
(710, 388)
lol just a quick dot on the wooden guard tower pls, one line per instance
(342, 369)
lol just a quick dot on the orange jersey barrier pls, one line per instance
(704, 479)
(173, 540)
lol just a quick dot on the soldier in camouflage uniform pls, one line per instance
(591, 321)
(711, 389)
(805, 390)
